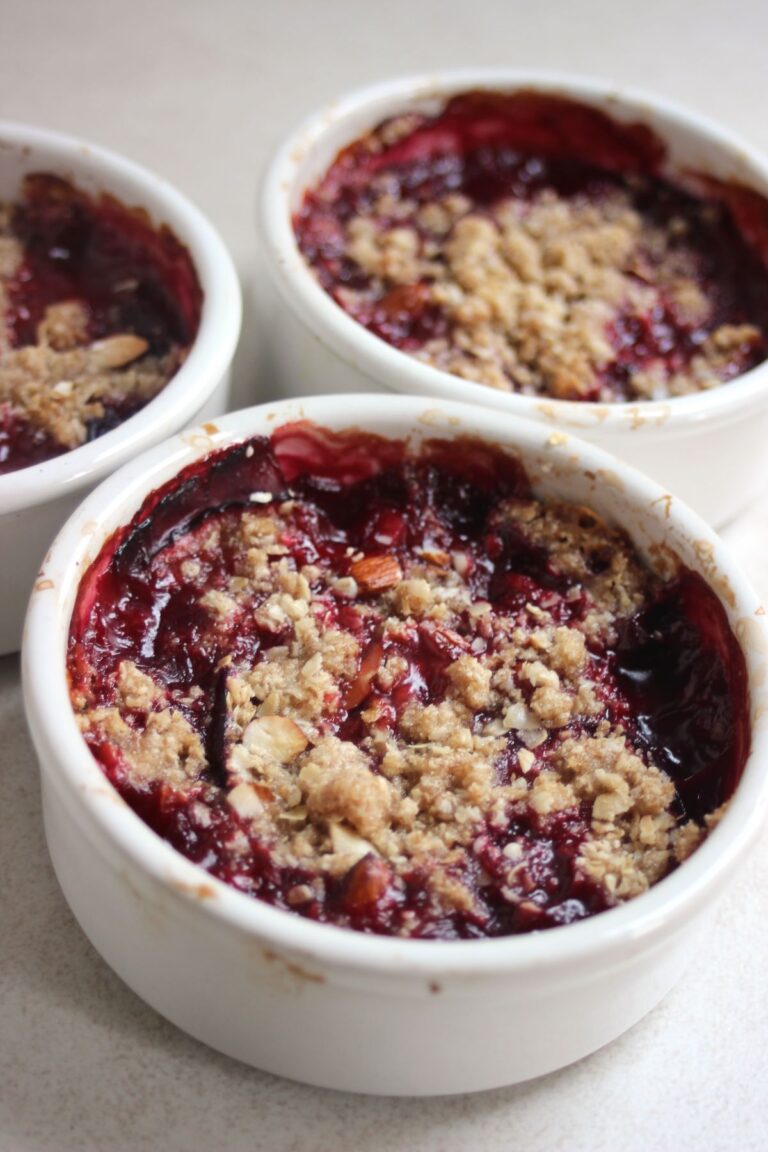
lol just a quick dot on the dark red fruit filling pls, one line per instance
(133, 276)
(22, 444)
(675, 680)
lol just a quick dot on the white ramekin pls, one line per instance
(331, 1006)
(35, 501)
(709, 448)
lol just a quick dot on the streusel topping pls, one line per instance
(403, 706)
(545, 273)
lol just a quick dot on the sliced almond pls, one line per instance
(245, 800)
(460, 561)
(239, 761)
(299, 894)
(609, 805)
(519, 718)
(366, 883)
(295, 815)
(369, 666)
(436, 556)
(116, 351)
(345, 586)
(526, 759)
(344, 840)
(376, 573)
(263, 791)
(444, 639)
(275, 737)
(534, 738)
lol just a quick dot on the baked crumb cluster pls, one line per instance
(61, 384)
(541, 274)
(402, 729)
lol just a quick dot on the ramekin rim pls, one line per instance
(210, 352)
(347, 338)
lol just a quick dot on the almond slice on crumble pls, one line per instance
(376, 573)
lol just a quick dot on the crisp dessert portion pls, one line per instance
(390, 689)
(97, 311)
(528, 242)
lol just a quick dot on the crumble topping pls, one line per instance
(411, 728)
(546, 275)
(64, 387)
(530, 291)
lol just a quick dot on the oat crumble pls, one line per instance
(441, 744)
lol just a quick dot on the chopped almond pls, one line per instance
(245, 800)
(348, 843)
(115, 351)
(367, 882)
(275, 737)
(376, 573)
(361, 685)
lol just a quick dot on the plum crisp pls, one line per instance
(385, 686)
(97, 311)
(530, 243)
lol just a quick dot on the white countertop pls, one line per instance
(201, 91)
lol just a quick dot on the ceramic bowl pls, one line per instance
(331, 1006)
(35, 501)
(707, 447)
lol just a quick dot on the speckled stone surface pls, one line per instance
(201, 92)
